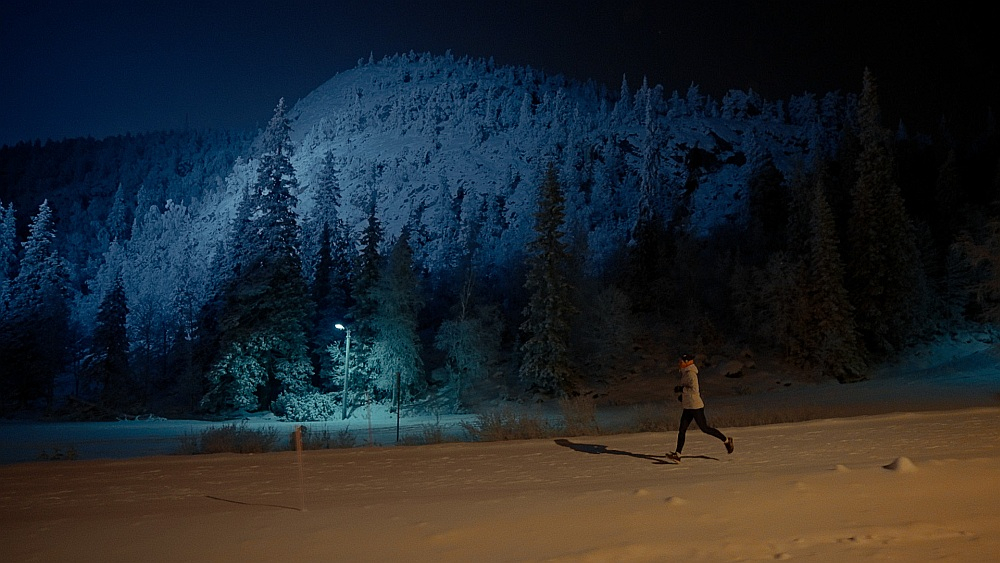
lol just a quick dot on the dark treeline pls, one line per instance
(841, 265)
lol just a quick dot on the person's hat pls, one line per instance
(687, 357)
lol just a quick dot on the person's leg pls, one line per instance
(699, 419)
(686, 418)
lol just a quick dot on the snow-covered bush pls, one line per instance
(306, 406)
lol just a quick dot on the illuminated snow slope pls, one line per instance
(466, 138)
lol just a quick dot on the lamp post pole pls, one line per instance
(347, 369)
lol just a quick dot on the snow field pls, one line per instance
(812, 491)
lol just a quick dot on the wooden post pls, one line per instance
(399, 401)
(298, 454)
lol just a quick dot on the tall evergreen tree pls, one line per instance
(325, 213)
(364, 306)
(830, 340)
(545, 364)
(331, 293)
(266, 307)
(35, 319)
(396, 350)
(323, 324)
(119, 221)
(330, 248)
(109, 363)
(885, 277)
(369, 271)
(772, 304)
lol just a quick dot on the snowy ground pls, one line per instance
(915, 482)
(812, 491)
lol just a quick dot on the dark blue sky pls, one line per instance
(77, 67)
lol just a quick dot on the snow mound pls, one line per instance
(901, 465)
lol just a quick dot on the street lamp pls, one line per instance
(347, 368)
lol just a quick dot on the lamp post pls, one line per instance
(347, 368)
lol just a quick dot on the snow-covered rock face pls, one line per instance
(457, 147)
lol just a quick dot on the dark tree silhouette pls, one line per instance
(109, 363)
(545, 364)
(885, 278)
(368, 273)
(830, 340)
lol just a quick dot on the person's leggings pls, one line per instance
(698, 416)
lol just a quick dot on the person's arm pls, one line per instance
(686, 381)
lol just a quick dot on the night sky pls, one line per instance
(76, 67)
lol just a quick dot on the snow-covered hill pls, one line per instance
(455, 149)
(444, 144)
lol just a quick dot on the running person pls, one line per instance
(694, 408)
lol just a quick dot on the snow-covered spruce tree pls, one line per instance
(364, 305)
(830, 340)
(150, 276)
(34, 335)
(396, 351)
(884, 275)
(342, 253)
(107, 367)
(330, 264)
(366, 278)
(325, 212)
(118, 224)
(545, 364)
(266, 308)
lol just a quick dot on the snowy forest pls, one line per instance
(436, 233)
